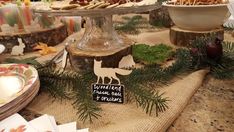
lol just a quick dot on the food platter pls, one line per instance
(99, 33)
(19, 84)
(99, 12)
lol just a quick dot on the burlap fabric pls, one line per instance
(127, 117)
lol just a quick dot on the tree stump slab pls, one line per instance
(52, 37)
(160, 16)
(83, 60)
(183, 37)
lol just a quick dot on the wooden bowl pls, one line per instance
(198, 17)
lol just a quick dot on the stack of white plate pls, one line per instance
(19, 84)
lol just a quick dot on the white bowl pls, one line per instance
(198, 17)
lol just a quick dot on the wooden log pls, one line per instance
(160, 17)
(183, 37)
(83, 60)
(52, 37)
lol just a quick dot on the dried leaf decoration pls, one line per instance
(44, 49)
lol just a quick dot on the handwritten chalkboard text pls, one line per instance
(108, 93)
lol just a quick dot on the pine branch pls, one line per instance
(219, 69)
(147, 98)
(30, 61)
(87, 108)
(57, 82)
(229, 27)
(64, 84)
(223, 70)
(228, 49)
(131, 24)
(61, 84)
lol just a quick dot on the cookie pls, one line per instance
(104, 5)
(63, 7)
(95, 5)
(113, 6)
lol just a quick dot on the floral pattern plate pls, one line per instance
(15, 80)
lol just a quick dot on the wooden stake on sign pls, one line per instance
(64, 59)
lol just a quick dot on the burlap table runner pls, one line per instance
(127, 117)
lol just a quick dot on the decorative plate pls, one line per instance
(15, 80)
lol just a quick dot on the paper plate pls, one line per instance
(19, 83)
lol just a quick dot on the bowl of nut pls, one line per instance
(198, 15)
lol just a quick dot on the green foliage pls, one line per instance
(55, 81)
(158, 23)
(152, 54)
(147, 98)
(161, 1)
(229, 27)
(223, 69)
(74, 85)
(70, 85)
(228, 49)
(30, 61)
(86, 107)
(198, 52)
(131, 25)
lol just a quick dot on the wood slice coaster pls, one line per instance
(183, 37)
(81, 59)
(52, 37)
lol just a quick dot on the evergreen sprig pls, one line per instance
(224, 68)
(70, 85)
(76, 85)
(58, 82)
(147, 98)
(228, 49)
(131, 25)
(87, 108)
(30, 61)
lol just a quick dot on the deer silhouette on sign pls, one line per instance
(110, 73)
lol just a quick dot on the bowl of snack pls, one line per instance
(198, 15)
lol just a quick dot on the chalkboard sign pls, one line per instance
(108, 93)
